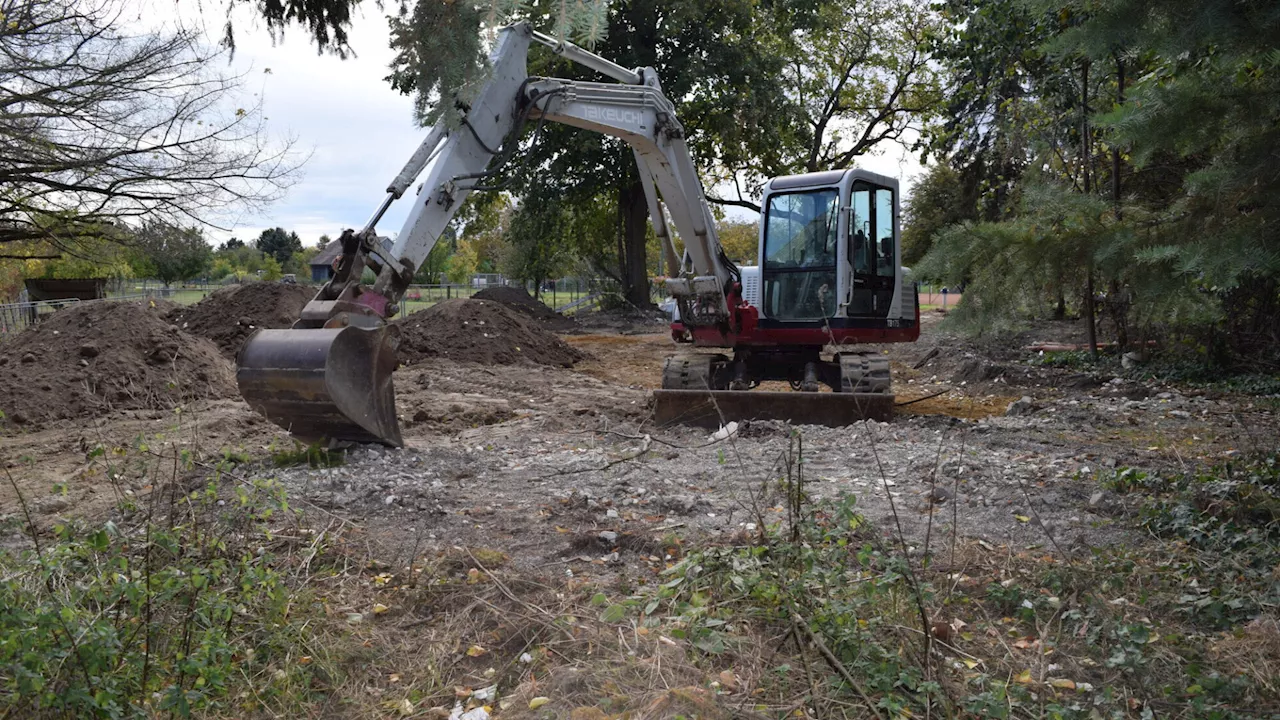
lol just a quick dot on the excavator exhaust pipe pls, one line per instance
(324, 384)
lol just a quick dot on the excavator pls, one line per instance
(829, 272)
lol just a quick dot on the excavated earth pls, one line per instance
(97, 357)
(480, 331)
(521, 301)
(231, 314)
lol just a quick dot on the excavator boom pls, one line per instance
(329, 376)
(820, 282)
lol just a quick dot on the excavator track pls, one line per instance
(693, 393)
(863, 372)
(693, 372)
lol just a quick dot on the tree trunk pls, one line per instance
(635, 218)
(1086, 155)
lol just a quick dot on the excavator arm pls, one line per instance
(329, 377)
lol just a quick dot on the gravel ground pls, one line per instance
(551, 490)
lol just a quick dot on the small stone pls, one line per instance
(389, 500)
(88, 350)
(28, 358)
(1022, 406)
(1096, 498)
(611, 513)
(52, 504)
(608, 537)
(940, 494)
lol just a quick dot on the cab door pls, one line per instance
(871, 250)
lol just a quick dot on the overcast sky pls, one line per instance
(358, 131)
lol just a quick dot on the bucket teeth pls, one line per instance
(324, 384)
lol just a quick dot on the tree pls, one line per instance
(537, 245)
(102, 255)
(441, 52)
(741, 241)
(299, 263)
(1003, 94)
(434, 267)
(936, 202)
(103, 125)
(462, 263)
(242, 260)
(271, 269)
(279, 244)
(859, 77)
(171, 252)
(231, 244)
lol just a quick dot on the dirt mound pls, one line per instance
(230, 315)
(518, 299)
(480, 331)
(94, 357)
(625, 320)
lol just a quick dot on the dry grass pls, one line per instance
(1253, 650)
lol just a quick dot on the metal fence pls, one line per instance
(16, 317)
(566, 294)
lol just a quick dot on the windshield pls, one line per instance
(801, 230)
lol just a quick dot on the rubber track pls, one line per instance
(687, 372)
(864, 373)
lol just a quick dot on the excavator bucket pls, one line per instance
(324, 384)
(713, 408)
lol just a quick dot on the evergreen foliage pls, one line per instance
(1054, 106)
(279, 244)
(936, 201)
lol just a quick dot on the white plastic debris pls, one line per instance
(725, 431)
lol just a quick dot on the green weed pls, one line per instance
(180, 610)
(314, 456)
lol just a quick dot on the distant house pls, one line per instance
(322, 263)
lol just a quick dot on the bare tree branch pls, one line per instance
(101, 125)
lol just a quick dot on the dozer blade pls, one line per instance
(324, 384)
(713, 408)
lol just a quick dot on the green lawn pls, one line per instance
(416, 299)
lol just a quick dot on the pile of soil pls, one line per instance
(231, 314)
(98, 356)
(480, 331)
(625, 320)
(521, 301)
